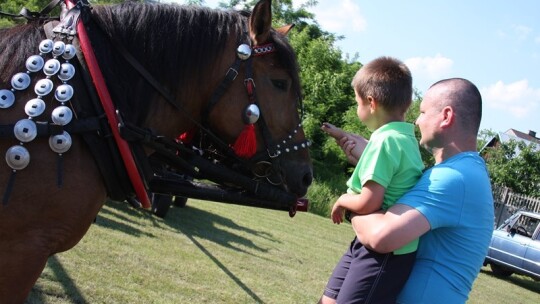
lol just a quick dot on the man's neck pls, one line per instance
(444, 153)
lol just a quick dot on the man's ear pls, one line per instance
(448, 116)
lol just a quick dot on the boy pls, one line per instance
(389, 166)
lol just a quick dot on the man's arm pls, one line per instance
(386, 232)
(368, 201)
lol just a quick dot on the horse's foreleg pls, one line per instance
(20, 267)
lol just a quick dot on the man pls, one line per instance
(450, 208)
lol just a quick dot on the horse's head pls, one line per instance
(264, 100)
(218, 65)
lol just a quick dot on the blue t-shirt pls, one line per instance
(455, 197)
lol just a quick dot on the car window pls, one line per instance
(525, 225)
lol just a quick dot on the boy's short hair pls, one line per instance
(386, 79)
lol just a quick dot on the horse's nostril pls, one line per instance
(308, 179)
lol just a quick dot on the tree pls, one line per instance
(484, 136)
(515, 165)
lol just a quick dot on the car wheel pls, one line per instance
(500, 271)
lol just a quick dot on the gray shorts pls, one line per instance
(365, 276)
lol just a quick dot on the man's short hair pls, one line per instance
(465, 99)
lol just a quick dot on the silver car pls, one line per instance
(515, 246)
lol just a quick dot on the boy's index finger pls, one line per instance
(333, 131)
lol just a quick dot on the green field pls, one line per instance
(216, 253)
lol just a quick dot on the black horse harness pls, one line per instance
(170, 153)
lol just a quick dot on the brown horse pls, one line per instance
(50, 201)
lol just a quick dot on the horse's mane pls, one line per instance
(16, 44)
(176, 44)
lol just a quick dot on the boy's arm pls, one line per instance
(368, 201)
(386, 232)
(352, 145)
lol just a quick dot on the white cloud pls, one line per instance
(522, 32)
(427, 70)
(517, 98)
(337, 16)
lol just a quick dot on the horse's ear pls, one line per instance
(260, 22)
(284, 30)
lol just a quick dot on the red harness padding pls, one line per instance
(110, 111)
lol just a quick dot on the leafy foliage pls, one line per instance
(515, 165)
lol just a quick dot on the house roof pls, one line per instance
(514, 135)
(531, 136)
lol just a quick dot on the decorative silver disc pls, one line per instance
(252, 113)
(34, 107)
(243, 51)
(52, 66)
(25, 130)
(17, 157)
(61, 115)
(69, 52)
(20, 81)
(7, 98)
(34, 63)
(67, 71)
(63, 92)
(43, 87)
(46, 46)
(60, 143)
(58, 48)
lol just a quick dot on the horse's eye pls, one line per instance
(280, 84)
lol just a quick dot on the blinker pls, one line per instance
(243, 51)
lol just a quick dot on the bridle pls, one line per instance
(264, 164)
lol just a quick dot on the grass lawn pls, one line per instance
(215, 253)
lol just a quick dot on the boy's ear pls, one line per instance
(373, 104)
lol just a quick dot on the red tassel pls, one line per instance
(246, 144)
(187, 137)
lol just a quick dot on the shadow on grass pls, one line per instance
(519, 280)
(61, 276)
(109, 222)
(195, 224)
(189, 221)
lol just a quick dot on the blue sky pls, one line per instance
(495, 44)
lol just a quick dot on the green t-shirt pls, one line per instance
(391, 159)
